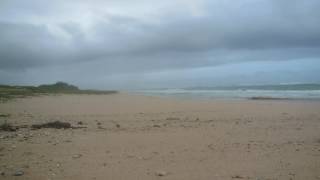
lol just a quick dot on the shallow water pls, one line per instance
(286, 92)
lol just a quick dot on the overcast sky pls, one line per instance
(125, 44)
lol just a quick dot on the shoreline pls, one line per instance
(219, 99)
(168, 97)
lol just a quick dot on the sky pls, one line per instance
(134, 44)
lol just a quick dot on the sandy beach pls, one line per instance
(122, 136)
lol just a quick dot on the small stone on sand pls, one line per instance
(18, 173)
(76, 156)
(161, 173)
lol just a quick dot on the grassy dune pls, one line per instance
(9, 92)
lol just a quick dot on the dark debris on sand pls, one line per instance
(8, 127)
(55, 124)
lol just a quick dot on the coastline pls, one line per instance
(234, 94)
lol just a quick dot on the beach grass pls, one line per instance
(10, 92)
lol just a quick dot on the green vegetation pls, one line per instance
(4, 115)
(58, 87)
(10, 92)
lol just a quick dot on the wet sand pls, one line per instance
(139, 137)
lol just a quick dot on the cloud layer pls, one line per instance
(104, 38)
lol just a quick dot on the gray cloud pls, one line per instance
(178, 35)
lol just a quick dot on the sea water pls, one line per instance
(292, 91)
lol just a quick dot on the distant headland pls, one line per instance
(8, 92)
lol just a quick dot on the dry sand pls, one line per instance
(139, 137)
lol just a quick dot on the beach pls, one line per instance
(125, 136)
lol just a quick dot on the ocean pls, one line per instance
(282, 91)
